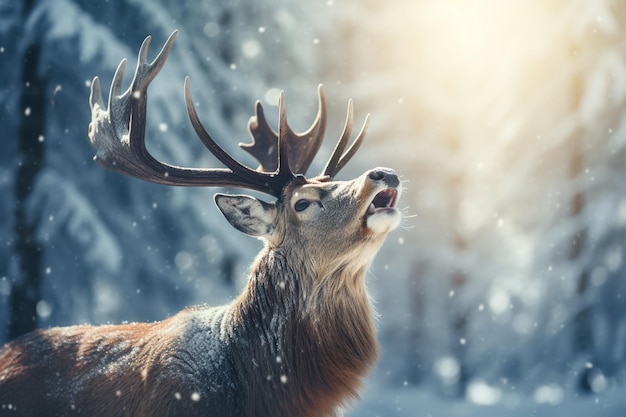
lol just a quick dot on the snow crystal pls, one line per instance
(183, 260)
(44, 309)
(251, 48)
(499, 301)
(598, 382)
(448, 369)
(478, 392)
(211, 29)
(5, 287)
(549, 394)
(613, 258)
(271, 97)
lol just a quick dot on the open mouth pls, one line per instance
(384, 201)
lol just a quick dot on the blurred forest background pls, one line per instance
(506, 285)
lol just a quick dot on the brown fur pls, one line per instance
(296, 342)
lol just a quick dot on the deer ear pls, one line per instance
(248, 214)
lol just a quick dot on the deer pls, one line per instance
(300, 337)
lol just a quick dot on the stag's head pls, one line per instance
(328, 219)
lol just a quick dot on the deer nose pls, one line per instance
(387, 175)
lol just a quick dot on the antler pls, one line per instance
(118, 133)
(301, 148)
(339, 159)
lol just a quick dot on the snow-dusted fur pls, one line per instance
(296, 342)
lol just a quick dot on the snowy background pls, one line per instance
(504, 292)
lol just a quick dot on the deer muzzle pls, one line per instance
(381, 214)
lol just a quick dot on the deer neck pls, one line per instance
(316, 331)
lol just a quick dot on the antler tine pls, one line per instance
(315, 135)
(301, 148)
(115, 129)
(118, 133)
(219, 152)
(356, 144)
(285, 135)
(271, 183)
(339, 159)
(341, 145)
(264, 146)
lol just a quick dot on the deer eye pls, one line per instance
(301, 205)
